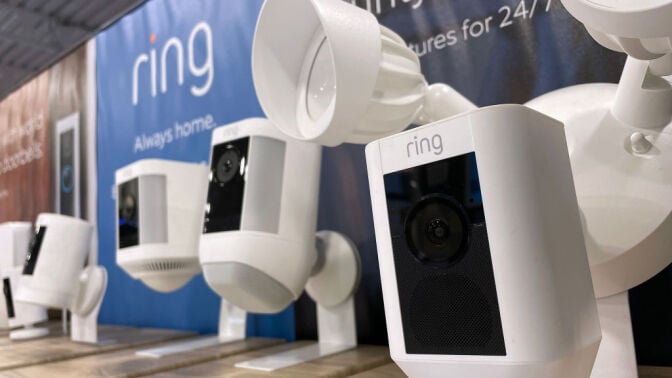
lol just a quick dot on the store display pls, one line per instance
(480, 211)
(159, 216)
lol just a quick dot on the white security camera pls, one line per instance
(482, 258)
(159, 218)
(257, 248)
(54, 274)
(326, 72)
(14, 239)
(620, 143)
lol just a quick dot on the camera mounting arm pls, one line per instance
(86, 304)
(644, 94)
(442, 101)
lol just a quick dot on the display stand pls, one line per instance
(616, 356)
(86, 306)
(332, 287)
(232, 323)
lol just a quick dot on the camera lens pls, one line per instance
(228, 165)
(127, 209)
(437, 230)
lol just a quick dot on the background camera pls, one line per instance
(437, 230)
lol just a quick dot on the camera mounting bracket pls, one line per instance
(86, 305)
(335, 278)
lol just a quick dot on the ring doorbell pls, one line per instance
(257, 247)
(68, 163)
(482, 259)
(159, 217)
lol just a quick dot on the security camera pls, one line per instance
(257, 246)
(159, 217)
(482, 258)
(54, 274)
(342, 77)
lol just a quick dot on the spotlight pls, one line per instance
(326, 72)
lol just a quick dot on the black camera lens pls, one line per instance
(228, 165)
(437, 230)
(127, 208)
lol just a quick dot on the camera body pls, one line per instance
(67, 164)
(257, 248)
(482, 258)
(159, 215)
(55, 259)
(14, 239)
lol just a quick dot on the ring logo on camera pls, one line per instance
(421, 146)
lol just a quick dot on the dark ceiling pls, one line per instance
(34, 34)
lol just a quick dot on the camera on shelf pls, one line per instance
(257, 247)
(159, 215)
(482, 259)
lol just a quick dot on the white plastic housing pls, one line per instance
(170, 215)
(61, 256)
(14, 240)
(326, 72)
(625, 196)
(641, 28)
(264, 271)
(546, 300)
(24, 314)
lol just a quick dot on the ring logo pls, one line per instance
(173, 50)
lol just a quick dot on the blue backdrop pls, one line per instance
(166, 75)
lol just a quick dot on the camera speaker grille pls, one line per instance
(450, 310)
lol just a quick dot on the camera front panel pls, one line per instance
(9, 301)
(226, 186)
(67, 172)
(34, 249)
(443, 265)
(128, 227)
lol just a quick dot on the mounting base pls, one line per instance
(332, 286)
(232, 321)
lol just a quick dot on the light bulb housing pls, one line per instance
(366, 85)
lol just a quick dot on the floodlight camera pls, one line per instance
(327, 72)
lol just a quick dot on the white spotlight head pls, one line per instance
(55, 259)
(641, 28)
(160, 211)
(325, 71)
(257, 249)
